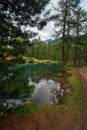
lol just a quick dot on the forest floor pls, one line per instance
(70, 116)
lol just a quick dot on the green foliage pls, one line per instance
(14, 83)
(43, 51)
(31, 60)
(3, 111)
(11, 35)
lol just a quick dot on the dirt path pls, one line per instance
(53, 118)
(83, 73)
(81, 120)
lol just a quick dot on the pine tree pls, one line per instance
(80, 18)
(64, 10)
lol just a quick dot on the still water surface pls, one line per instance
(29, 83)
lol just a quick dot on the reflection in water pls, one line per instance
(43, 91)
(28, 83)
(13, 84)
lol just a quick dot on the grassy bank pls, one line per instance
(74, 99)
(72, 105)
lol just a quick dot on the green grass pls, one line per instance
(28, 60)
(74, 100)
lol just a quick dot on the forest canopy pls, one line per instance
(70, 29)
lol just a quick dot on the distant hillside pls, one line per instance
(55, 41)
(48, 40)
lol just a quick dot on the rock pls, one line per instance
(67, 90)
(62, 90)
(56, 101)
(66, 85)
(61, 93)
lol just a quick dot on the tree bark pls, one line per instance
(76, 43)
(63, 38)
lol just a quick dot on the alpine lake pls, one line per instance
(33, 83)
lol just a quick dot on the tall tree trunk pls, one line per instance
(63, 38)
(76, 43)
(63, 54)
(67, 44)
(67, 50)
(79, 58)
(76, 53)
